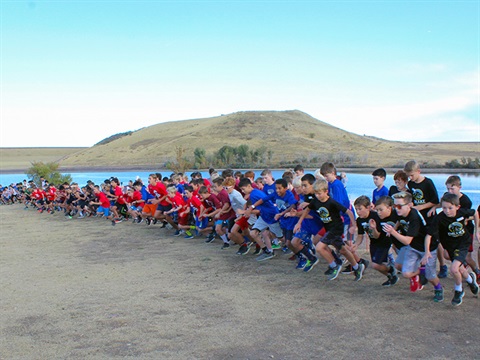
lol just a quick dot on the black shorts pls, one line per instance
(379, 254)
(458, 253)
(332, 239)
(164, 208)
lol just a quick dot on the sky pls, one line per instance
(75, 72)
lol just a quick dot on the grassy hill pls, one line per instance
(279, 138)
(14, 159)
(291, 136)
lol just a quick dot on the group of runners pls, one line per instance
(406, 229)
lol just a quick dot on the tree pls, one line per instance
(49, 172)
(181, 163)
(200, 158)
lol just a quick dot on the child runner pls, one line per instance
(450, 227)
(369, 224)
(411, 232)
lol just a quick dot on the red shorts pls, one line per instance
(183, 220)
(242, 223)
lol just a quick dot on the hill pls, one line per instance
(283, 137)
(20, 159)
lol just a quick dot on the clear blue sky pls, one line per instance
(400, 70)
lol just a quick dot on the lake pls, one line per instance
(358, 184)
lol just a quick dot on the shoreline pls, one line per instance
(360, 170)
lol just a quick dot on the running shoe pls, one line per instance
(364, 262)
(148, 221)
(188, 235)
(359, 272)
(177, 233)
(154, 221)
(265, 256)
(457, 297)
(302, 262)
(210, 238)
(335, 272)
(276, 246)
(473, 285)
(438, 297)
(243, 250)
(387, 283)
(347, 269)
(225, 246)
(257, 251)
(415, 284)
(310, 264)
(393, 279)
(443, 273)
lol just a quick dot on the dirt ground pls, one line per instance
(83, 289)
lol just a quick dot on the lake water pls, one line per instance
(358, 184)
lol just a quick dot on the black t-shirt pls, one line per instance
(330, 214)
(414, 225)
(392, 220)
(423, 193)
(394, 190)
(451, 231)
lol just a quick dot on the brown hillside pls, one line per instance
(290, 135)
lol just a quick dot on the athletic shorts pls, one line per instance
(164, 208)
(242, 223)
(379, 254)
(412, 262)
(150, 209)
(309, 228)
(201, 224)
(103, 210)
(136, 208)
(287, 234)
(222, 223)
(183, 220)
(261, 225)
(332, 239)
(400, 255)
(458, 253)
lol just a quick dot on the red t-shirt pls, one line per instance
(177, 201)
(195, 204)
(118, 192)
(51, 194)
(159, 190)
(103, 200)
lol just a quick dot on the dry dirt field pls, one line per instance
(83, 289)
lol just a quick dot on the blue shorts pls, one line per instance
(104, 211)
(222, 223)
(309, 228)
(379, 254)
(201, 224)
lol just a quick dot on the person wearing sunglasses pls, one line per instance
(411, 233)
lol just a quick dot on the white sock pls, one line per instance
(469, 279)
(458, 287)
(224, 238)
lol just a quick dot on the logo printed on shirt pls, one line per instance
(456, 229)
(404, 225)
(418, 197)
(324, 215)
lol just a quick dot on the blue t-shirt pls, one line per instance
(337, 191)
(267, 209)
(145, 194)
(377, 194)
(283, 203)
(270, 191)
